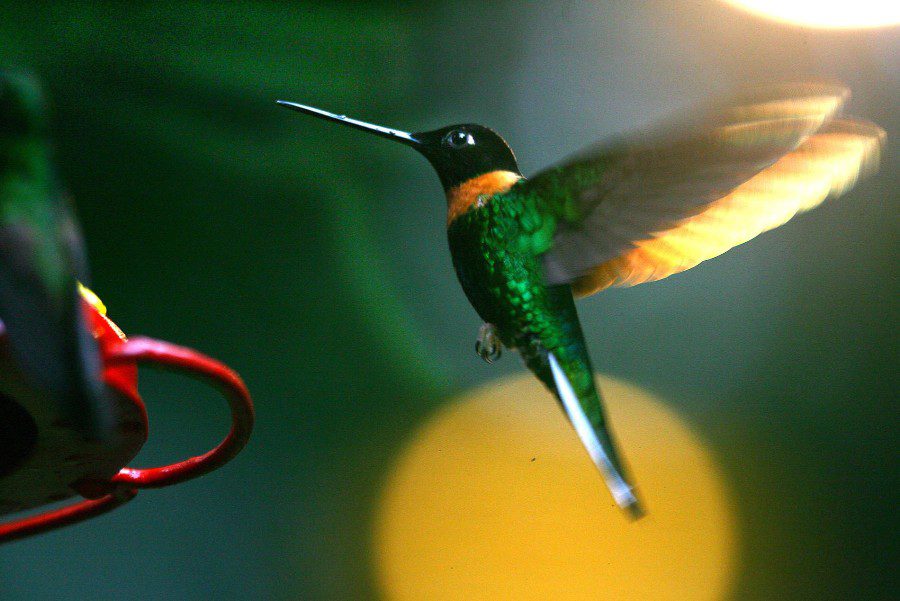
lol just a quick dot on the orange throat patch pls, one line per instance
(463, 196)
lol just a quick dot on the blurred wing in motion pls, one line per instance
(660, 202)
(826, 164)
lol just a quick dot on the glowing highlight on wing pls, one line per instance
(827, 164)
(814, 99)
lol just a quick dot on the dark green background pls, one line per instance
(313, 261)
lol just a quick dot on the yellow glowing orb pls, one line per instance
(494, 498)
(843, 14)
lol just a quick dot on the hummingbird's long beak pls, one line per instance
(378, 130)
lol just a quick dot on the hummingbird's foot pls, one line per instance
(488, 345)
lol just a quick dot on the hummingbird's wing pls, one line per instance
(659, 202)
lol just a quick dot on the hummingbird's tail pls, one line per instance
(597, 441)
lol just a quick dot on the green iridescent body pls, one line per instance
(496, 247)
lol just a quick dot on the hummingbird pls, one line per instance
(622, 212)
(42, 266)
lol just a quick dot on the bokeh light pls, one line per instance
(494, 498)
(836, 14)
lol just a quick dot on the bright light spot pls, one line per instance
(495, 498)
(842, 14)
(92, 299)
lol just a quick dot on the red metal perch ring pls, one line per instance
(65, 516)
(194, 364)
(121, 488)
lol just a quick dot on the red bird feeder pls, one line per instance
(45, 457)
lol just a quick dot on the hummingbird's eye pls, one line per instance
(458, 138)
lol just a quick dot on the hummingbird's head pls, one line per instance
(458, 152)
(461, 152)
(21, 105)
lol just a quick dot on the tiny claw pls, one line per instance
(488, 345)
